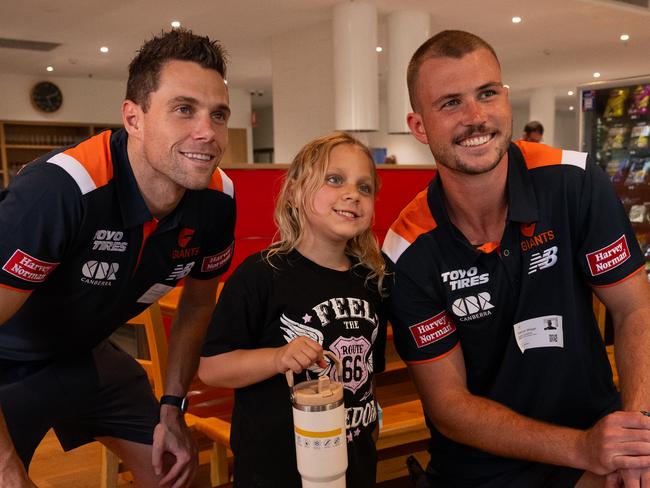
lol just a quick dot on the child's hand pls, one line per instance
(299, 354)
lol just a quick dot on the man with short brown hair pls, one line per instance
(495, 263)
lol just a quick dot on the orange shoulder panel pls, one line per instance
(216, 183)
(537, 155)
(415, 219)
(94, 155)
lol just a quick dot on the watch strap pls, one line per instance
(176, 401)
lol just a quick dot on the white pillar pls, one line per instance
(407, 30)
(356, 83)
(542, 109)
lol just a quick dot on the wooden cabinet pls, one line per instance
(22, 142)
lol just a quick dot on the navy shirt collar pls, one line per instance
(133, 207)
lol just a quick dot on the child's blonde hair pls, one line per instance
(304, 178)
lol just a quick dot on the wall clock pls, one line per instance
(46, 96)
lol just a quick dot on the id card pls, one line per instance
(154, 293)
(540, 332)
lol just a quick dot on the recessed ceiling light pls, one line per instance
(506, 86)
(625, 37)
(379, 49)
(103, 49)
(570, 107)
(596, 74)
(49, 68)
(176, 24)
(516, 20)
(570, 93)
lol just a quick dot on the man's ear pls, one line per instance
(132, 117)
(414, 121)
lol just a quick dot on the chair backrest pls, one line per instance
(156, 366)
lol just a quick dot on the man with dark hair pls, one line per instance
(495, 264)
(533, 132)
(95, 233)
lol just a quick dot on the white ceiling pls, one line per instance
(560, 43)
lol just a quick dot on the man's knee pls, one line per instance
(136, 458)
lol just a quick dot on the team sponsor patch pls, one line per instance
(28, 268)
(432, 330)
(543, 260)
(472, 307)
(216, 261)
(109, 240)
(180, 271)
(609, 257)
(461, 278)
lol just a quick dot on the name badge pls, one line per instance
(540, 332)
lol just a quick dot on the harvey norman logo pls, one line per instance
(609, 257)
(432, 330)
(27, 267)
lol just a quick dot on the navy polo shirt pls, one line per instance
(78, 234)
(521, 309)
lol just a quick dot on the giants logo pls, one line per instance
(609, 257)
(28, 268)
(184, 237)
(432, 330)
(538, 240)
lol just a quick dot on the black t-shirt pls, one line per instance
(76, 232)
(522, 313)
(268, 306)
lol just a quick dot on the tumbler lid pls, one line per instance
(317, 392)
(322, 391)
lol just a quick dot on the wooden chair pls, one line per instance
(600, 312)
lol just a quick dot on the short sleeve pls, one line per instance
(608, 251)
(216, 253)
(423, 330)
(40, 213)
(240, 312)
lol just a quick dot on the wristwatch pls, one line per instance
(180, 402)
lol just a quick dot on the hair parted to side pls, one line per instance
(445, 44)
(177, 44)
(303, 179)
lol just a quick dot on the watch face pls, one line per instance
(47, 96)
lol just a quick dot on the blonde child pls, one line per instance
(320, 286)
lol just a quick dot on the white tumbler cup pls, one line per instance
(319, 426)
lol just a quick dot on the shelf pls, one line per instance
(45, 147)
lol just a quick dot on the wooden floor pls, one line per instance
(79, 468)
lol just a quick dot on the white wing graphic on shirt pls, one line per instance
(295, 329)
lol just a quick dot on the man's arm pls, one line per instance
(629, 305)
(186, 336)
(12, 472)
(616, 441)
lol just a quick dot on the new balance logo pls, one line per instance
(180, 271)
(543, 260)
